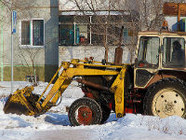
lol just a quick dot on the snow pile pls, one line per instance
(142, 125)
(170, 125)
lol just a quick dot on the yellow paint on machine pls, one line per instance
(37, 105)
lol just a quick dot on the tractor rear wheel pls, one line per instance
(85, 111)
(166, 98)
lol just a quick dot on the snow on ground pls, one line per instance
(55, 124)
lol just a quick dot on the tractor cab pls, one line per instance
(157, 52)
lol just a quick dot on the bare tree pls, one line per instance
(5, 11)
(151, 16)
(135, 15)
(27, 54)
(107, 18)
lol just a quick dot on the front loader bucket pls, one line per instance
(22, 102)
(14, 107)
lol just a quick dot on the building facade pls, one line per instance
(52, 31)
(87, 28)
(35, 42)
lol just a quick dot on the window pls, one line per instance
(66, 34)
(148, 52)
(91, 29)
(74, 30)
(25, 33)
(32, 33)
(174, 52)
(38, 32)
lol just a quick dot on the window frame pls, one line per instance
(163, 65)
(150, 66)
(31, 45)
(91, 34)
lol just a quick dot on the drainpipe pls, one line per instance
(75, 33)
(90, 41)
(2, 43)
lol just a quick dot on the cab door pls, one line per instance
(147, 61)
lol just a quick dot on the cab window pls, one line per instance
(174, 52)
(148, 54)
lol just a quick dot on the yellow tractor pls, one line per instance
(154, 85)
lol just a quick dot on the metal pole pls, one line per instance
(90, 33)
(2, 45)
(74, 33)
(12, 64)
(13, 31)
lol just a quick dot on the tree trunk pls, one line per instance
(34, 71)
(105, 44)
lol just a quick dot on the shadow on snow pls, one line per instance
(62, 119)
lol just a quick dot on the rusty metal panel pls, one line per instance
(171, 9)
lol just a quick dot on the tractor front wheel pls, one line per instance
(105, 113)
(166, 98)
(85, 111)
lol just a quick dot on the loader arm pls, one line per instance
(69, 71)
(65, 79)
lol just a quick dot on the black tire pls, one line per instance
(85, 111)
(166, 98)
(105, 113)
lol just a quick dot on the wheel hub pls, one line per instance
(84, 115)
(168, 102)
(168, 108)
